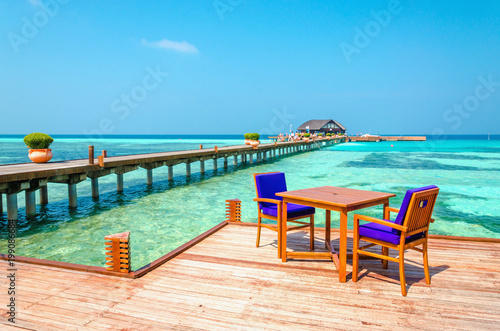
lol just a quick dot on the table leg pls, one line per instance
(328, 225)
(284, 221)
(386, 212)
(343, 246)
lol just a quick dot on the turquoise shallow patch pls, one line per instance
(165, 216)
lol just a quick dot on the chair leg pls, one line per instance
(355, 255)
(426, 265)
(311, 244)
(258, 231)
(385, 251)
(402, 278)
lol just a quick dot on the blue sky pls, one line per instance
(235, 66)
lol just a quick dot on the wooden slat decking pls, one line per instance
(225, 282)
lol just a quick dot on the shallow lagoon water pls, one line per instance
(166, 215)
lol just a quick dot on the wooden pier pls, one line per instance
(386, 138)
(225, 282)
(32, 177)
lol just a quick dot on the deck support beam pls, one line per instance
(95, 187)
(170, 172)
(215, 164)
(235, 160)
(12, 207)
(225, 162)
(119, 183)
(251, 158)
(1, 203)
(202, 167)
(188, 169)
(149, 174)
(30, 203)
(264, 153)
(44, 195)
(72, 195)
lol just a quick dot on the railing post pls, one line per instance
(117, 249)
(233, 210)
(91, 154)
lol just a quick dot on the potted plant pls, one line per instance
(306, 137)
(39, 143)
(254, 140)
(320, 135)
(328, 136)
(247, 138)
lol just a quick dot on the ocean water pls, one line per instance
(166, 215)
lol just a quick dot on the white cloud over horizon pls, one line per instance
(178, 46)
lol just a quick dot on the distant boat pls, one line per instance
(368, 135)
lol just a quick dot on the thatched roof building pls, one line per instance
(325, 126)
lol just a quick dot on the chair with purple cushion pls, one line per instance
(270, 206)
(410, 229)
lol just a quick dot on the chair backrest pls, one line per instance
(268, 184)
(406, 202)
(420, 209)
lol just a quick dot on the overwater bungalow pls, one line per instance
(322, 126)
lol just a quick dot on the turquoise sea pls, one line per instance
(166, 215)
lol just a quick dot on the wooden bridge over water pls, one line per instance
(32, 177)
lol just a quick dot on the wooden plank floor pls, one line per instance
(225, 282)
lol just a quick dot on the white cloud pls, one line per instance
(178, 46)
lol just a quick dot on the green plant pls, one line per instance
(307, 135)
(247, 135)
(254, 136)
(38, 140)
(328, 134)
(320, 134)
(341, 134)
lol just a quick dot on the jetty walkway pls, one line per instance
(32, 177)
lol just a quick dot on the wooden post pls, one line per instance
(258, 157)
(44, 195)
(72, 195)
(235, 160)
(119, 183)
(170, 172)
(251, 158)
(201, 146)
(104, 153)
(149, 177)
(100, 159)
(91, 154)
(117, 250)
(95, 188)
(225, 162)
(188, 169)
(215, 164)
(264, 153)
(233, 210)
(216, 149)
(30, 203)
(12, 207)
(202, 167)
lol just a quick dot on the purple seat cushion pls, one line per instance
(406, 203)
(384, 233)
(268, 185)
(293, 210)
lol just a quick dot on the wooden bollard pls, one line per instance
(216, 149)
(233, 210)
(100, 159)
(91, 154)
(105, 153)
(117, 248)
(201, 146)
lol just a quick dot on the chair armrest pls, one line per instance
(432, 220)
(276, 201)
(379, 221)
(394, 210)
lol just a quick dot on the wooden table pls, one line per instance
(330, 198)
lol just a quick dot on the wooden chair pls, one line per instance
(410, 229)
(270, 207)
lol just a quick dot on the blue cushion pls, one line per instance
(384, 233)
(268, 185)
(406, 203)
(293, 210)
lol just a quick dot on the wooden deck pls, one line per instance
(225, 282)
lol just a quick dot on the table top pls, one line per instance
(336, 196)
